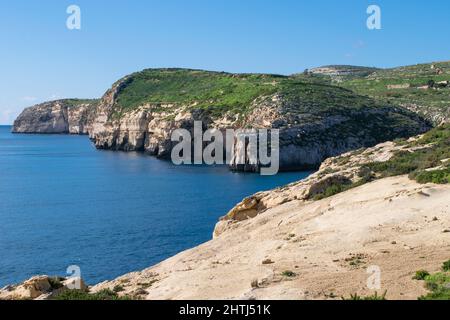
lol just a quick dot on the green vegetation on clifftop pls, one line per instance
(206, 90)
(220, 92)
(429, 163)
(421, 87)
(77, 102)
(426, 160)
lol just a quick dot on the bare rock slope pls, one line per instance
(315, 250)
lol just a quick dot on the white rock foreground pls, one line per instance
(394, 223)
(41, 288)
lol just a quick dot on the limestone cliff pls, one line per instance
(139, 113)
(316, 121)
(70, 116)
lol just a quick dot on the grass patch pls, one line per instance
(439, 294)
(146, 285)
(421, 275)
(81, 295)
(332, 190)
(438, 283)
(215, 92)
(435, 176)
(431, 103)
(374, 297)
(342, 186)
(289, 274)
(76, 102)
(419, 164)
(118, 288)
(428, 163)
(446, 266)
(304, 100)
(55, 282)
(356, 260)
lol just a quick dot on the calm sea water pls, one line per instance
(64, 203)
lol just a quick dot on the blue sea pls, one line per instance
(63, 203)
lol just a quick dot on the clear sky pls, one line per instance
(40, 59)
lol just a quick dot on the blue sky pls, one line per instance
(40, 59)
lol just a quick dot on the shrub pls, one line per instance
(439, 294)
(446, 266)
(118, 288)
(332, 190)
(337, 188)
(289, 274)
(439, 285)
(82, 295)
(421, 275)
(356, 297)
(417, 163)
(435, 176)
(55, 282)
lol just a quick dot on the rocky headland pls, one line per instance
(67, 116)
(316, 120)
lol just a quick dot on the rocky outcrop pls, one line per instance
(346, 169)
(342, 71)
(56, 117)
(50, 117)
(437, 116)
(41, 288)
